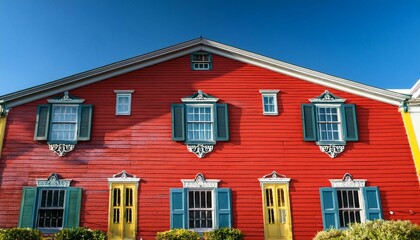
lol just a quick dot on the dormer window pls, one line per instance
(199, 121)
(201, 61)
(329, 122)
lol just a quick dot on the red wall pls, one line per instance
(141, 144)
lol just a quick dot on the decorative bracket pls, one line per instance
(332, 150)
(61, 149)
(200, 149)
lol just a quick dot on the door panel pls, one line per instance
(122, 211)
(277, 220)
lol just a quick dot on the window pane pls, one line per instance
(348, 206)
(200, 212)
(199, 123)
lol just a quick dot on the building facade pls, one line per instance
(201, 135)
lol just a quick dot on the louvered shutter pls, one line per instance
(42, 122)
(350, 130)
(308, 122)
(329, 208)
(222, 122)
(372, 200)
(73, 204)
(85, 122)
(223, 207)
(178, 208)
(178, 124)
(28, 208)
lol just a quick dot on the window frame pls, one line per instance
(123, 93)
(39, 208)
(194, 62)
(51, 123)
(273, 94)
(213, 201)
(212, 123)
(339, 123)
(361, 208)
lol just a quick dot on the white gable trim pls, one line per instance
(199, 44)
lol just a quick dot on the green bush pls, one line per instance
(374, 230)
(80, 233)
(224, 234)
(20, 234)
(178, 234)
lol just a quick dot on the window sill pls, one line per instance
(321, 143)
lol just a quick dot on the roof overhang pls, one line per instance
(200, 44)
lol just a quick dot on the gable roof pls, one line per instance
(199, 44)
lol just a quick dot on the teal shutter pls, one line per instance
(178, 124)
(73, 204)
(222, 122)
(178, 208)
(329, 208)
(372, 199)
(28, 208)
(350, 123)
(223, 207)
(85, 122)
(42, 122)
(309, 122)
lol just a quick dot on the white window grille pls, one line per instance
(201, 61)
(329, 123)
(349, 207)
(199, 123)
(200, 209)
(64, 122)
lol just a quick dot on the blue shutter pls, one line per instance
(178, 124)
(350, 123)
(372, 200)
(329, 207)
(308, 122)
(222, 122)
(73, 204)
(42, 122)
(28, 208)
(85, 122)
(178, 207)
(223, 207)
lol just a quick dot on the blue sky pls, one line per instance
(373, 42)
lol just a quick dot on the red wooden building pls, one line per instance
(202, 135)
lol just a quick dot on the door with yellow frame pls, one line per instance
(122, 222)
(277, 219)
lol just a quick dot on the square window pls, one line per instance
(201, 61)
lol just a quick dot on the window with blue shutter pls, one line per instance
(65, 120)
(329, 122)
(51, 206)
(349, 201)
(200, 122)
(200, 208)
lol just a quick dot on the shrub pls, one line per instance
(224, 234)
(79, 233)
(20, 234)
(374, 230)
(178, 234)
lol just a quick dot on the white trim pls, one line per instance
(200, 182)
(274, 177)
(123, 93)
(123, 177)
(348, 182)
(273, 94)
(200, 44)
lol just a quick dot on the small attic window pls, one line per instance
(201, 61)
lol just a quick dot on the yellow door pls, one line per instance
(277, 219)
(122, 211)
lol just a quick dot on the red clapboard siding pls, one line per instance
(141, 144)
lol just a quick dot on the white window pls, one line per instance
(201, 61)
(123, 102)
(329, 123)
(269, 102)
(349, 207)
(200, 123)
(64, 123)
(200, 209)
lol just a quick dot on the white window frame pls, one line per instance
(123, 93)
(360, 209)
(212, 209)
(211, 106)
(52, 122)
(272, 94)
(339, 122)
